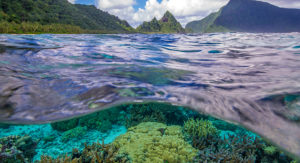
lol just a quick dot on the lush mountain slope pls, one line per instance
(206, 24)
(167, 24)
(60, 12)
(152, 26)
(249, 16)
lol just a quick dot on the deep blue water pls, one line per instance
(249, 79)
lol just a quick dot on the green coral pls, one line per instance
(270, 150)
(4, 126)
(156, 112)
(65, 125)
(102, 120)
(49, 138)
(200, 128)
(155, 142)
(74, 133)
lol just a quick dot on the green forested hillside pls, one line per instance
(167, 24)
(152, 26)
(22, 15)
(206, 24)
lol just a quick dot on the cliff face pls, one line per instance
(167, 24)
(249, 16)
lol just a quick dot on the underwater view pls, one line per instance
(148, 132)
(222, 97)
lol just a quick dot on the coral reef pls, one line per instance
(181, 136)
(51, 143)
(74, 133)
(225, 126)
(4, 126)
(17, 149)
(155, 142)
(156, 112)
(270, 150)
(49, 138)
(232, 149)
(201, 133)
(236, 148)
(129, 115)
(200, 128)
(101, 121)
(65, 125)
(96, 152)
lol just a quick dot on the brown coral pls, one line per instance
(15, 149)
(95, 153)
(235, 149)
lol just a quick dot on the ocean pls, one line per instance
(249, 81)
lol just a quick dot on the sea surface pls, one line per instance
(250, 79)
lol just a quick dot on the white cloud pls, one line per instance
(114, 4)
(72, 1)
(125, 14)
(284, 3)
(184, 10)
(121, 8)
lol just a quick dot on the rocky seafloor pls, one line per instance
(148, 132)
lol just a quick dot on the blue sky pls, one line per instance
(137, 11)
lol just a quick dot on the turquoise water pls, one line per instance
(51, 142)
(250, 79)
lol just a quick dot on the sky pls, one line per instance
(137, 11)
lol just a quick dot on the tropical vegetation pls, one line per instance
(57, 16)
(167, 24)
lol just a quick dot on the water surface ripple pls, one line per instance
(250, 79)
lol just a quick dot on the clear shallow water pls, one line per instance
(250, 79)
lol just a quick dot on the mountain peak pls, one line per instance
(239, 0)
(249, 16)
(154, 20)
(234, 1)
(168, 16)
(167, 24)
(168, 13)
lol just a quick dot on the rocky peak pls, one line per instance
(168, 17)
